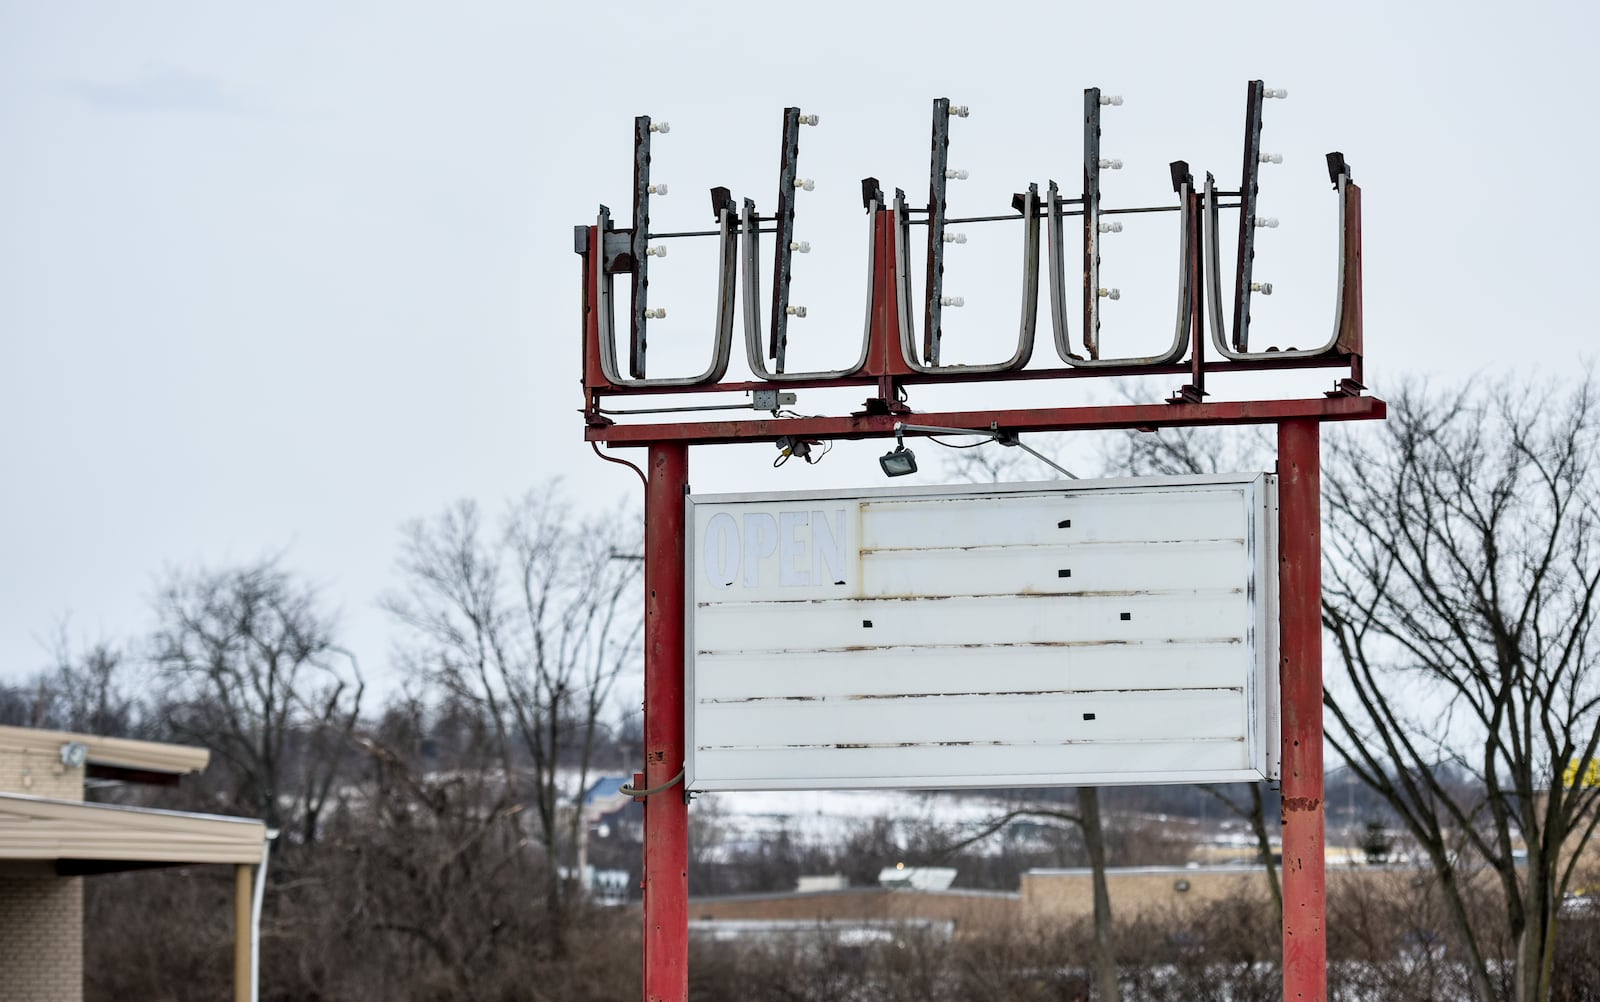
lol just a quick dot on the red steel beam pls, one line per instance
(1305, 953)
(912, 378)
(1161, 415)
(666, 813)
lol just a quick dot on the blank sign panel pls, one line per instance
(1084, 633)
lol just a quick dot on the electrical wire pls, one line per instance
(1008, 440)
(621, 462)
(811, 458)
(628, 791)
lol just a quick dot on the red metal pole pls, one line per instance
(1305, 950)
(666, 815)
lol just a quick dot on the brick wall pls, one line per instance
(39, 774)
(41, 918)
(41, 939)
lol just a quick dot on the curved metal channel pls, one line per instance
(1219, 327)
(1058, 288)
(750, 224)
(1029, 321)
(723, 346)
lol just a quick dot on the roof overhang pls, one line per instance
(111, 757)
(78, 837)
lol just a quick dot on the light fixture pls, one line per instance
(74, 754)
(898, 461)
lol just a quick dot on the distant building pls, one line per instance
(901, 877)
(821, 882)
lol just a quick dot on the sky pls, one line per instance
(275, 279)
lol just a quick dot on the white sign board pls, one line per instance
(1080, 633)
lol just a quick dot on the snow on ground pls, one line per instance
(826, 818)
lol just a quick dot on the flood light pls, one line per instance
(74, 754)
(898, 462)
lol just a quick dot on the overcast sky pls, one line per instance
(276, 278)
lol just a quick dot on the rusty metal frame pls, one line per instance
(1249, 200)
(1091, 223)
(889, 363)
(889, 358)
(783, 250)
(1018, 421)
(938, 211)
(638, 249)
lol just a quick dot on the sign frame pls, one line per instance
(1260, 698)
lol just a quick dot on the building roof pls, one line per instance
(92, 838)
(607, 788)
(110, 756)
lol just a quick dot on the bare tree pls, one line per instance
(1460, 596)
(1459, 593)
(534, 621)
(84, 690)
(255, 675)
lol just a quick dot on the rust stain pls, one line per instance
(977, 645)
(967, 693)
(1024, 591)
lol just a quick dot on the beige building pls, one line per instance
(50, 840)
(1047, 897)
